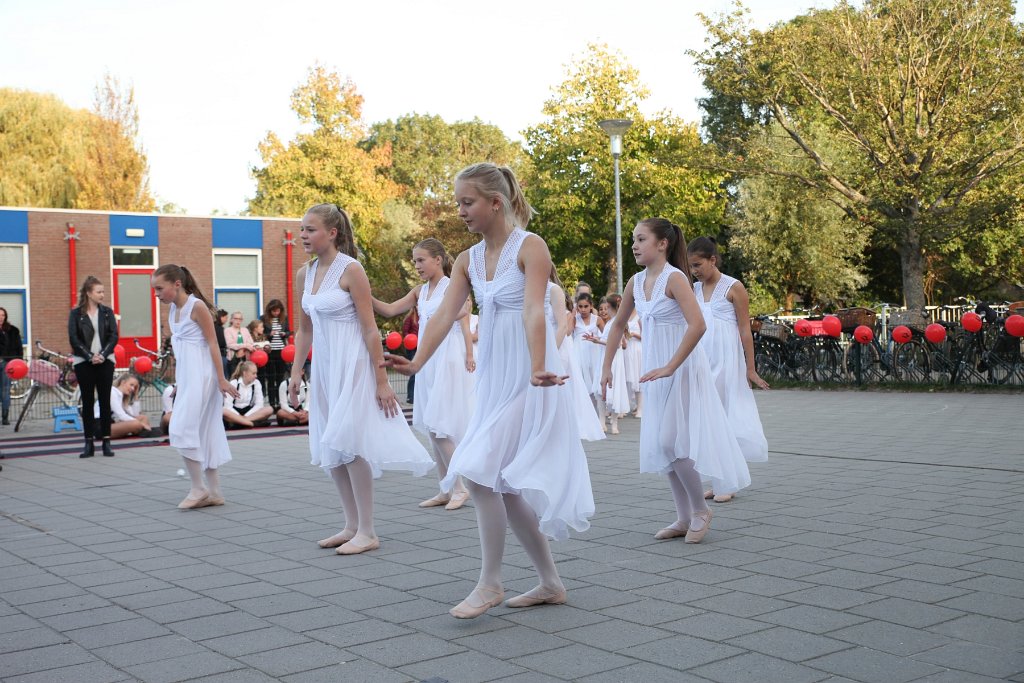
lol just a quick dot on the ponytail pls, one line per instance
(240, 368)
(664, 229)
(500, 182)
(435, 248)
(705, 247)
(334, 217)
(175, 273)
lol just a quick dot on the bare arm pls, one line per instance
(355, 282)
(619, 324)
(467, 337)
(535, 261)
(397, 308)
(679, 288)
(303, 342)
(741, 302)
(559, 310)
(442, 320)
(201, 314)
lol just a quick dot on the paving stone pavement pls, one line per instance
(881, 542)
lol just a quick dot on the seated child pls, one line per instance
(127, 418)
(288, 416)
(249, 408)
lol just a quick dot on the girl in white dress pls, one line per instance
(563, 319)
(196, 427)
(356, 429)
(444, 389)
(521, 457)
(685, 432)
(729, 346)
(586, 323)
(632, 361)
(613, 400)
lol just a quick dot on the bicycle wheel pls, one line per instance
(800, 363)
(862, 363)
(911, 363)
(30, 398)
(768, 359)
(969, 367)
(828, 362)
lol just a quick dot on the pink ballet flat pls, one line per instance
(459, 499)
(477, 602)
(335, 541)
(350, 548)
(723, 497)
(697, 536)
(536, 597)
(436, 501)
(709, 494)
(672, 531)
(193, 503)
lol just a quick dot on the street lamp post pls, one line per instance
(615, 129)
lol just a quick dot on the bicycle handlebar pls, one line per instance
(51, 353)
(159, 355)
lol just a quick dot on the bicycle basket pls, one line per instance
(1017, 307)
(44, 372)
(852, 318)
(915, 320)
(775, 330)
(755, 325)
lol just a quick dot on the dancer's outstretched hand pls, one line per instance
(657, 373)
(756, 380)
(293, 391)
(543, 378)
(606, 383)
(470, 365)
(386, 400)
(399, 364)
(228, 388)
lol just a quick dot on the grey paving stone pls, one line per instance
(28, 639)
(117, 632)
(216, 625)
(45, 658)
(254, 641)
(714, 626)
(646, 672)
(295, 658)
(320, 617)
(789, 644)
(906, 612)
(757, 668)
(514, 641)
(467, 667)
(989, 604)
(187, 668)
(921, 591)
(977, 659)
(151, 650)
(180, 611)
(769, 586)
(353, 670)
(573, 661)
(681, 652)
(358, 632)
(614, 636)
(891, 638)
(831, 597)
(93, 672)
(872, 666)
(741, 604)
(985, 630)
(404, 650)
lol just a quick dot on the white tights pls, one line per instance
(355, 486)
(495, 512)
(442, 450)
(195, 474)
(687, 492)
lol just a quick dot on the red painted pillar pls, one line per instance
(72, 238)
(289, 276)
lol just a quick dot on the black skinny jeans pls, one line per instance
(95, 382)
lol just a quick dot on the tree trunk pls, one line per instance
(912, 267)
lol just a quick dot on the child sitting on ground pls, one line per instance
(249, 409)
(287, 416)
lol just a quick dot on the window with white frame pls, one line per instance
(14, 285)
(238, 281)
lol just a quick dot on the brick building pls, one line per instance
(241, 263)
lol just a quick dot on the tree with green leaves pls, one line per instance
(426, 153)
(921, 106)
(571, 183)
(327, 164)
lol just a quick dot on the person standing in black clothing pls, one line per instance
(92, 331)
(275, 329)
(11, 347)
(222, 342)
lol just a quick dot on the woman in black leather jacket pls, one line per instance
(10, 348)
(92, 331)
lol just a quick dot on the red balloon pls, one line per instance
(143, 364)
(864, 334)
(1015, 325)
(935, 333)
(410, 341)
(259, 357)
(971, 322)
(393, 340)
(802, 328)
(901, 334)
(16, 368)
(288, 353)
(832, 326)
(120, 356)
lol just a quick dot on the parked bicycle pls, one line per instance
(160, 374)
(53, 372)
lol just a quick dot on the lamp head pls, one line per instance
(615, 128)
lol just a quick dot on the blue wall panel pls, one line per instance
(237, 233)
(14, 226)
(119, 226)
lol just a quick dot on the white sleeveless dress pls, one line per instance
(724, 349)
(683, 416)
(585, 350)
(583, 407)
(197, 423)
(521, 439)
(617, 397)
(444, 388)
(632, 358)
(344, 420)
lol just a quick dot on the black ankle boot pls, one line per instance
(90, 449)
(7, 416)
(107, 450)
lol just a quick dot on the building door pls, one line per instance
(136, 309)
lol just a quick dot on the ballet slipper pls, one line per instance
(190, 503)
(352, 548)
(615, 429)
(212, 501)
(709, 494)
(723, 497)
(477, 602)
(673, 531)
(459, 499)
(340, 538)
(538, 596)
(696, 536)
(439, 499)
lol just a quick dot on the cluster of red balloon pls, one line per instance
(259, 357)
(935, 333)
(971, 322)
(803, 328)
(16, 369)
(830, 325)
(863, 334)
(1015, 325)
(120, 356)
(142, 365)
(393, 340)
(901, 334)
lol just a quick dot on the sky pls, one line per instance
(212, 77)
